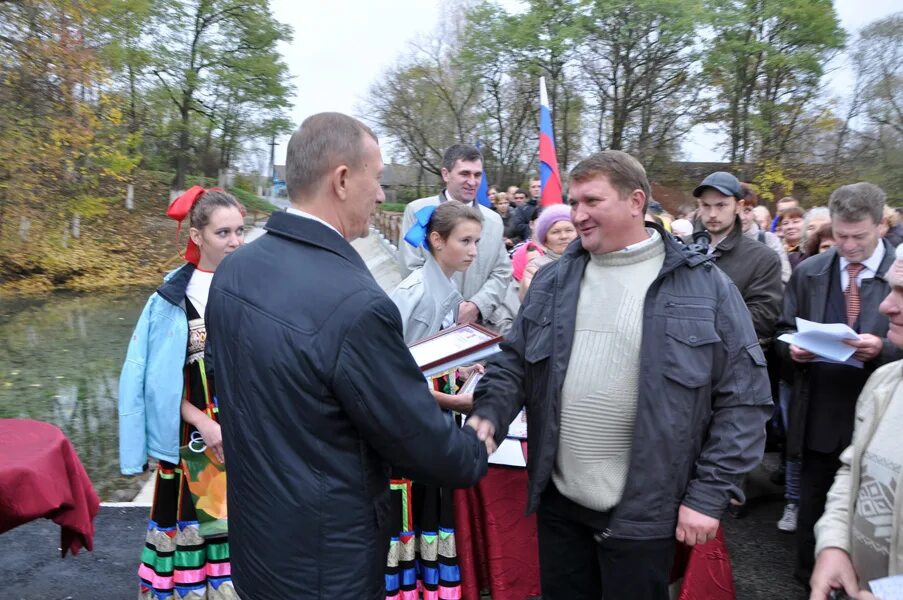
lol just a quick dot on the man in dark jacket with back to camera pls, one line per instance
(318, 393)
(646, 394)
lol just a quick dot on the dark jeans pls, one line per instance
(575, 564)
(816, 478)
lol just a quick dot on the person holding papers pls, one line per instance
(842, 285)
(422, 547)
(859, 539)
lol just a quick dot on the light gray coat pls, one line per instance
(424, 298)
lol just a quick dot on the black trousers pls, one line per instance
(576, 564)
(816, 478)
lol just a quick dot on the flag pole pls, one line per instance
(549, 177)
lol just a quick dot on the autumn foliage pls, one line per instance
(86, 107)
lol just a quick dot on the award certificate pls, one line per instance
(454, 346)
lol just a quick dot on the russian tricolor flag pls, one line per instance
(548, 161)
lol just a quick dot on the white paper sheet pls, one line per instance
(825, 340)
(447, 344)
(518, 427)
(888, 588)
(509, 454)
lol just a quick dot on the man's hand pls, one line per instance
(694, 528)
(833, 569)
(468, 312)
(799, 355)
(868, 346)
(485, 431)
(465, 372)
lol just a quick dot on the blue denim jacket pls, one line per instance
(152, 378)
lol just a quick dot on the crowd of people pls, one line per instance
(643, 345)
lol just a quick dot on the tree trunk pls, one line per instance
(184, 140)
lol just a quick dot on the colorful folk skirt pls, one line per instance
(422, 559)
(177, 563)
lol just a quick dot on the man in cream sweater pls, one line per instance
(646, 394)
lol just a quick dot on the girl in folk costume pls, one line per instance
(166, 400)
(422, 557)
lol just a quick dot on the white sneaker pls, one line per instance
(787, 524)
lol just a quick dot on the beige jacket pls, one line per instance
(834, 529)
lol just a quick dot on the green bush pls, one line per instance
(251, 201)
(168, 177)
(405, 194)
(392, 206)
(244, 182)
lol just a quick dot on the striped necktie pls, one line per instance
(852, 293)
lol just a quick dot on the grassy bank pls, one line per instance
(115, 247)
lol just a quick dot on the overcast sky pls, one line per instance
(341, 47)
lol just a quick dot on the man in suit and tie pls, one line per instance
(842, 285)
(485, 283)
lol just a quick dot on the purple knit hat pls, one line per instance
(548, 217)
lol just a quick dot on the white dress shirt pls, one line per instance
(871, 264)
(294, 211)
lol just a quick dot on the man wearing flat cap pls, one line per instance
(753, 267)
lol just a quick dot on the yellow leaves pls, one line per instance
(772, 180)
(121, 247)
(114, 116)
(88, 206)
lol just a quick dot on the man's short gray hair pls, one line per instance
(856, 202)
(323, 142)
(816, 212)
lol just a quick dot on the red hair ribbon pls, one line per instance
(179, 209)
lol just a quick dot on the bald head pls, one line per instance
(892, 306)
(324, 142)
(895, 273)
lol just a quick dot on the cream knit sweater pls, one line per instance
(598, 400)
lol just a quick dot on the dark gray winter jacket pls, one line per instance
(703, 401)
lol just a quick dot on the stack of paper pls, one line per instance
(825, 340)
(518, 427)
(888, 588)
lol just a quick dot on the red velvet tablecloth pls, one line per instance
(497, 546)
(42, 477)
(495, 541)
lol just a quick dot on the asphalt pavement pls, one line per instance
(31, 568)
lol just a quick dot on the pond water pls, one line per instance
(60, 358)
